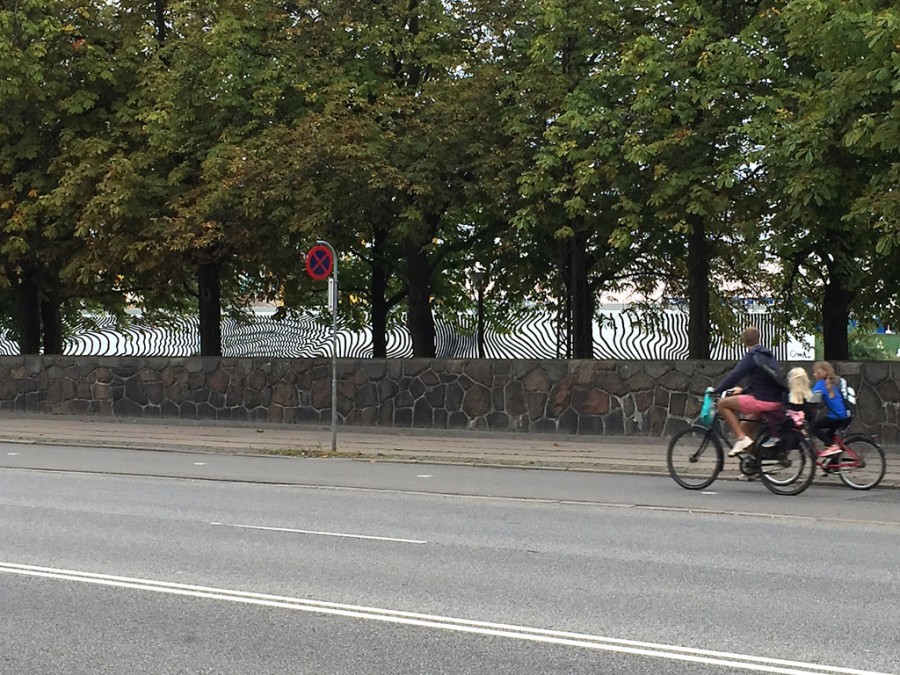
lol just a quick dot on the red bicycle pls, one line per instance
(861, 464)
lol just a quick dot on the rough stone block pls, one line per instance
(455, 395)
(497, 420)
(101, 391)
(218, 381)
(284, 395)
(457, 420)
(237, 414)
(480, 371)
(155, 393)
(416, 388)
(560, 396)
(477, 401)
(590, 425)
(590, 401)
(429, 378)
(440, 419)
(169, 409)
(423, 414)
(437, 396)
(614, 423)
(567, 422)
(403, 418)
(387, 389)
(537, 405)
(413, 367)
(514, 398)
(545, 425)
(127, 408)
(610, 382)
(366, 395)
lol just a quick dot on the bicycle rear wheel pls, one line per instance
(864, 470)
(695, 458)
(788, 469)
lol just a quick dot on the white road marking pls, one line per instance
(200, 463)
(323, 534)
(633, 647)
(708, 493)
(425, 475)
(11, 454)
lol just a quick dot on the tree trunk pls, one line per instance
(698, 290)
(51, 318)
(582, 300)
(159, 21)
(379, 283)
(210, 308)
(564, 311)
(28, 301)
(419, 318)
(835, 320)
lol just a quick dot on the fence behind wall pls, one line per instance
(616, 336)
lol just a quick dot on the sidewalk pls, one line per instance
(622, 454)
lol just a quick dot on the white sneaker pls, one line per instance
(740, 446)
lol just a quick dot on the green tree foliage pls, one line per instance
(216, 75)
(693, 89)
(565, 119)
(182, 154)
(60, 86)
(385, 165)
(828, 147)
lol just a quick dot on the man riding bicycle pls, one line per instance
(763, 392)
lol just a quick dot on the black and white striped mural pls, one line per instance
(616, 336)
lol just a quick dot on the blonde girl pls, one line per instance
(798, 386)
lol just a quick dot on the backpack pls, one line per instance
(773, 374)
(848, 393)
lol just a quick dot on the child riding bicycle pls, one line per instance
(835, 414)
(798, 407)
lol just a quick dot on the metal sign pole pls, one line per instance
(333, 300)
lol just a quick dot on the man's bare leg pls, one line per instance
(729, 407)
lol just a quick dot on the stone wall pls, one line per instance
(641, 398)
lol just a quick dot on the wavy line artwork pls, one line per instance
(616, 336)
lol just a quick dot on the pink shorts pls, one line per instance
(753, 407)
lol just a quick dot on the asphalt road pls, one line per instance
(118, 561)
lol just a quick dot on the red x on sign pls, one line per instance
(319, 262)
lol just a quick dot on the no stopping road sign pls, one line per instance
(319, 262)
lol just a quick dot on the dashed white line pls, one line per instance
(343, 535)
(597, 642)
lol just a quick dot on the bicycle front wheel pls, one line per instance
(790, 469)
(863, 467)
(695, 458)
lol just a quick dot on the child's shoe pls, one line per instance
(771, 442)
(830, 451)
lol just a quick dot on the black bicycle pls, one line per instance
(695, 458)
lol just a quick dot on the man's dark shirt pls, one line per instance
(760, 384)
